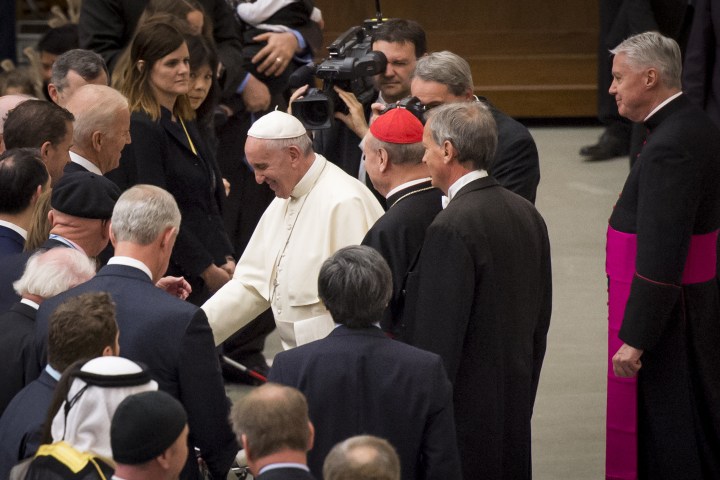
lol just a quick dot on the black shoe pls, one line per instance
(607, 147)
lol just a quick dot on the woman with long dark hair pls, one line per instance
(168, 151)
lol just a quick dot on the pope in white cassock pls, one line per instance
(317, 210)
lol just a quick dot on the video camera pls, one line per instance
(350, 65)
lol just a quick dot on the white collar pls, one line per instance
(461, 182)
(52, 372)
(30, 303)
(306, 183)
(131, 262)
(15, 228)
(274, 466)
(405, 185)
(84, 162)
(656, 109)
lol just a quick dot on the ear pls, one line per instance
(295, 153)
(167, 237)
(384, 163)
(140, 65)
(45, 150)
(651, 78)
(108, 351)
(96, 139)
(449, 152)
(112, 235)
(244, 441)
(51, 217)
(105, 227)
(36, 195)
(311, 437)
(163, 460)
(469, 94)
(53, 92)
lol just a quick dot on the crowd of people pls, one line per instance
(160, 210)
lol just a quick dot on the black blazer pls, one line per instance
(359, 381)
(480, 297)
(160, 154)
(174, 340)
(398, 236)
(18, 360)
(11, 242)
(21, 424)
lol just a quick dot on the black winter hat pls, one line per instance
(85, 195)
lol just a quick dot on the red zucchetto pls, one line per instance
(397, 126)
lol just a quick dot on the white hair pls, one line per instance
(48, 273)
(651, 49)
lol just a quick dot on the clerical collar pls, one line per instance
(15, 228)
(85, 163)
(130, 262)
(274, 466)
(30, 303)
(656, 109)
(308, 180)
(461, 182)
(405, 185)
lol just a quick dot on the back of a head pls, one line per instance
(652, 49)
(400, 133)
(363, 457)
(142, 213)
(445, 68)
(355, 285)
(144, 426)
(7, 103)
(95, 108)
(21, 172)
(18, 81)
(35, 122)
(400, 30)
(48, 273)
(60, 39)
(272, 418)
(94, 393)
(81, 327)
(471, 129)
(88, 64)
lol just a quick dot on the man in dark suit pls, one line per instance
(168, 335)
(357, 380)
(46, 274)
(83, 327)
(480, 294)
(393, 160)
(274, 428)
(72, 70)
(663, 292)
(80, 208)
(443, 77)
(23, 177)
(101, 129)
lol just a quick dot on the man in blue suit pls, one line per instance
(23, 177)
(170, 336)
(357, 380)
(83, 327)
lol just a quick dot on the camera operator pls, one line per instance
(403, 42)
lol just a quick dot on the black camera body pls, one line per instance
(350, 66)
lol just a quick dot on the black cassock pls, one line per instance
(671, 195)
(480, 297)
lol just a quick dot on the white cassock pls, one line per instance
(327, 210)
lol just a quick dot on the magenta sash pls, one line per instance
(621, 435)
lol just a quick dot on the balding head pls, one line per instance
(7, 103)
(363, 457)
(102, 125)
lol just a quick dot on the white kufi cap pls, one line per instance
(277, 125)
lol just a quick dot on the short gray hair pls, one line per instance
(95, 108)
(50, 272)
(89, 65)
(446, 68)
(398, 153)
(651, 49)
(360, 458)
(469, 127)
(142, 213)
(303, 142)
(355, 285)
